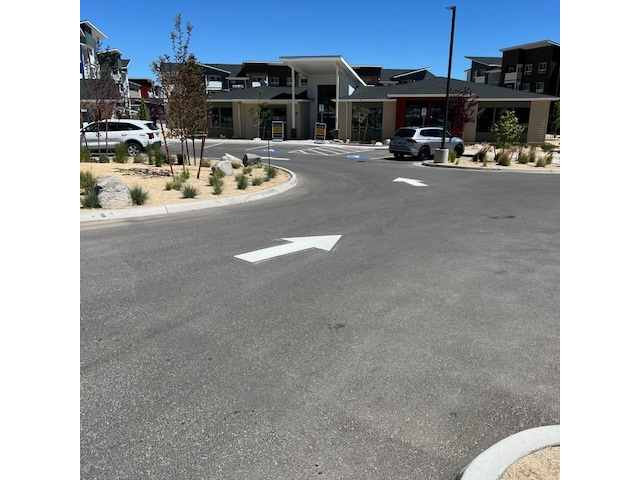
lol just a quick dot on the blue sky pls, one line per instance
(391, 34)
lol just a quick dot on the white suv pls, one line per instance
(422, 142)
(136, 134)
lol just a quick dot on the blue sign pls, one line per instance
(274, 150)
(357, 156)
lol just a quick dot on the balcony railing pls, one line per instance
(512, 77)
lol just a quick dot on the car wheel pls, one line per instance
(459, 150)
(133, 149)
(398, 155)
(424, 153)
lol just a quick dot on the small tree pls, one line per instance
(506, 131)
(360, 117)
(143, 112)
(260, 114)
(462, 106)
(555, 119)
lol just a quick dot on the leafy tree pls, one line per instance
(555, 119)
(260, 114)
(143, 112)
(103, 98)
(462, 106)
(360, 117)
(168, 73)
(506, 131)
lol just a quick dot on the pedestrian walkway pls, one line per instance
(331, 150)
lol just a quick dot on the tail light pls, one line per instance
(150, 135)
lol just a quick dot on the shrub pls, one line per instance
(184, 174)
(140, 158)
(523, 157)
(175, 184)
(482, 153)
(189, 191)
(236, 165)
(217, 184)
(247, 170)
(103, 158)
(257, 181)
(218, 174)
(503, 158)
(90, 199)
(85, 155)
(87, 181)
(120, 153)
(547, 147)
(544, 160)
(205, 163)
(138, 196)
(243, 181)
(271, 172)
(452, 156)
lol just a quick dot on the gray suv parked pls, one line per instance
(422, 142)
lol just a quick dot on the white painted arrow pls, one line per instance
(411, 181)
(297, 244)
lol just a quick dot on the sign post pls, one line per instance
(321, 132)
(277, 131)
(423, 114)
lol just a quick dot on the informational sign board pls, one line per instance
(423, 114)
(277, 131)
(321, 108)
(321, 131)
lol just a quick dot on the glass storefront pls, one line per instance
(366, 122)
(221, 122)
(434, 113)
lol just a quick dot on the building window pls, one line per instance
(528, 69)
(526, 87)
(539, 87)
(303, 81)
(288, 81)
(542, 67)
(511, 70)
(274, 81)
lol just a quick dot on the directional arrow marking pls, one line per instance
(297, 244)
(411, 181)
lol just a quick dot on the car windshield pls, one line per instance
(151, 126)
(405, 132)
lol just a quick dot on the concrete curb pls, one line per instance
(493, 462)
(98, 215)
(487, 169)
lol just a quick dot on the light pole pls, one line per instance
(446, 107)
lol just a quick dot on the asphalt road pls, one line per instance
(427, 334)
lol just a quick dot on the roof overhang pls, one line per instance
(322, 65)
(97, 34)
(214, 68)
(529, 46)
(412, 71)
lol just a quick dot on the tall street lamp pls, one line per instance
(446, 108)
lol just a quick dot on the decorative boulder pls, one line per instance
(230, 158)
(251, 159)
(225, 166)
(113, 193)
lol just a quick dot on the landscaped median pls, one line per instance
(155, 189)
(524, 158)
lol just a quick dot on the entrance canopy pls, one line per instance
(322, 65)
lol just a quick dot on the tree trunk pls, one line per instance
(166, 147)
(204, 138)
